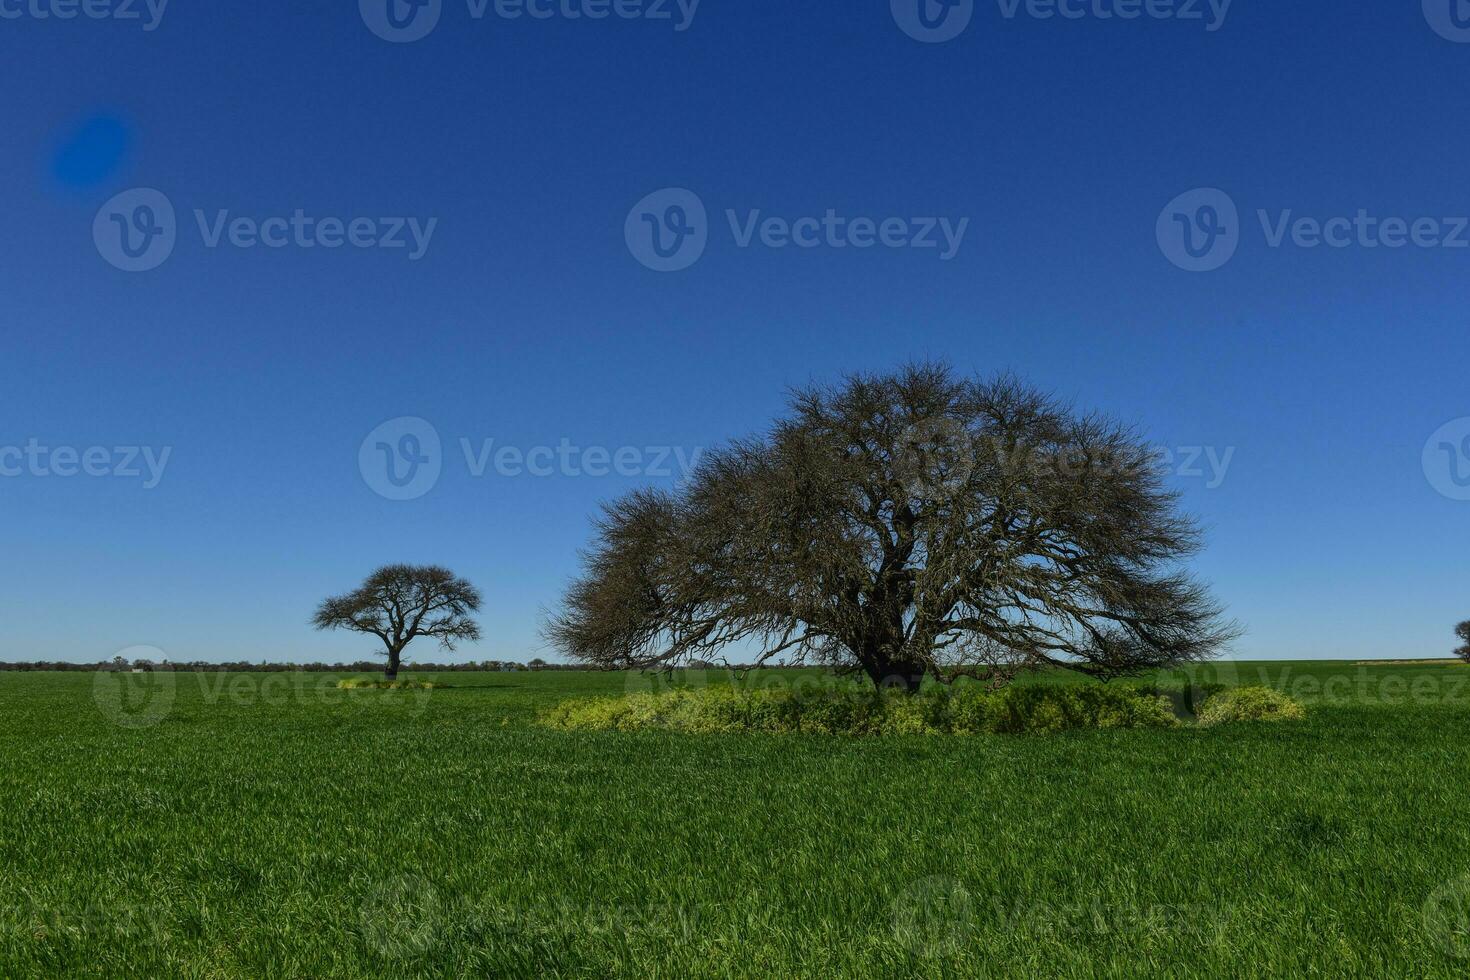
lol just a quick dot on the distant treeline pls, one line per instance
(360, 667)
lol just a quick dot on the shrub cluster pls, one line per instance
(1250, 704)
(936, 711)
(366, 685)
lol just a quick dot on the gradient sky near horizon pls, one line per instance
(1329, 382)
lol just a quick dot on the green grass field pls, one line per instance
(257, 825)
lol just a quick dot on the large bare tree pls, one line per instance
(399, 603)
(909, 525)
(1463, 632)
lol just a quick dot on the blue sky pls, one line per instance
(1322, 372)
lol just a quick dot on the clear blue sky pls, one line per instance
(528, 321)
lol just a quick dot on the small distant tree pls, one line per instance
(399, 603)
(1463, 632)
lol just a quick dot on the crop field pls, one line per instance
(272, 825)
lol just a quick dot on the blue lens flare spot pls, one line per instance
(92, 153)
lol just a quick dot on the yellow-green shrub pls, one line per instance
(1250, 704)
(357, 684)
(936, 711)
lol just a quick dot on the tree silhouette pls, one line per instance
(905, 525)
(398, 603)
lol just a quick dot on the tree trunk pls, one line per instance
(891, 665)
(392, 672)
(891, 675)
(902, 677)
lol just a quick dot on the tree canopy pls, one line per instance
(905, 525)
(399, 603)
